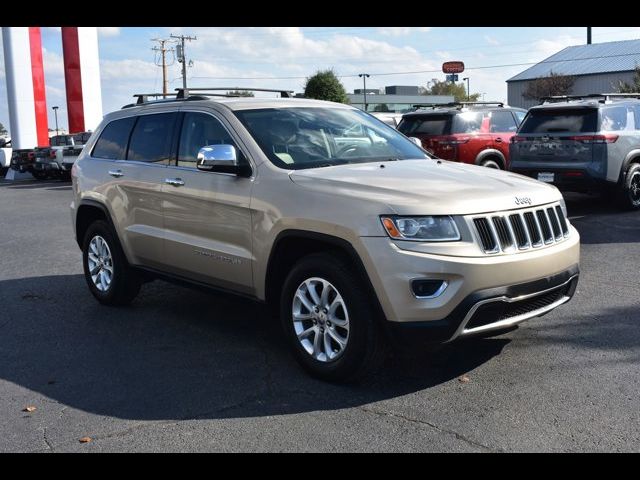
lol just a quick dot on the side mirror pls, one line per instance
(219, 158)
(416, 140)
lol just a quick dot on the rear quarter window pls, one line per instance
(113, 140)
(560, 120)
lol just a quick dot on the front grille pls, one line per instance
(496, 311)
(521, 230)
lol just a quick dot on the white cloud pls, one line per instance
(491, 41)
(401, 31)
(109, 31)
(444, 55)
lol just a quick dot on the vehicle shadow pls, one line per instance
(600, 220)
(178, 353)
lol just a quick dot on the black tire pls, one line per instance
(629, 195)
(491, 163)
(3, 171)
(125, 282)
(365, 346)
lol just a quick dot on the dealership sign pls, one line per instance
(453, 67)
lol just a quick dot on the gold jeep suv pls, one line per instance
(356, 235)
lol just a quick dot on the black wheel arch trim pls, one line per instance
(338, 242)
(100, 206)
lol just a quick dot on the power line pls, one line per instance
(415, 72)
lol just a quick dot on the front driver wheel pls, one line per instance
(110, 278)
(328, 320)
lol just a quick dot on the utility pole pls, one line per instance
(163, 53)
(55, 112)
(364, 77)
(588, 35)
(182, 58)
(468, 91)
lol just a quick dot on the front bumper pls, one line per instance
(491, 310)
(472, 281)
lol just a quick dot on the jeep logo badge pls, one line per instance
(523, 201)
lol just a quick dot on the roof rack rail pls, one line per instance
(184, 93)
(455, 104)
(603, 97)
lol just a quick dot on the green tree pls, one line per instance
(549, 86)
(324, 85)
(241, 93)
(624, 87)
(457, 90)
(3, 131)
(381, 107)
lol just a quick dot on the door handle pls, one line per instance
(116, 173)
(499, 140)
(176, 182)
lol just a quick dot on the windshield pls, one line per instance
(298, 138)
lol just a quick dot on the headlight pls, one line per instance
(563, 206)
(435, 228)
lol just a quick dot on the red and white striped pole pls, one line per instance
(25, 87)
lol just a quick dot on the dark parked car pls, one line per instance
(469, 132)
(583, 143)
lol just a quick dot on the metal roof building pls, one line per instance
(597, 68)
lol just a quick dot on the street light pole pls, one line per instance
(468, 91)
(364, 77)
(55, 112)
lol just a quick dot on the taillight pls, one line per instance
(454, 140)
(518, 139)
(31, 155)
(607, 138)
(52, 154)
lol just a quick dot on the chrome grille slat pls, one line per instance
(511, 231)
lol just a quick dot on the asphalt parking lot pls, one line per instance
(185, 370)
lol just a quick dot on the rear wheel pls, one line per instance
(109, 277)
(630, 192)
(328, 320)
(490, 163)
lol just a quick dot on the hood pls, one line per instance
(429, 187)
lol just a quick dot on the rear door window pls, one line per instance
(426, 125)
(560, 120)
(502, 122)
(112, 143)
(152, 137)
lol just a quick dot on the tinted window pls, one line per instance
(297, 138)
(112, 143)
(559, 120)
(468, 122)
(426, 125)
(151, 138)
(613, 119)
(519, 116)
(636, 112)
(502, 122)
(81, 138)
(200, 130)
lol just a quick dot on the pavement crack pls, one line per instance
(46, 440)
(459, 436)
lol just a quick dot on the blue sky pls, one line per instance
(282, 57)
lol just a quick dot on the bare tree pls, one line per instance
(551, 85)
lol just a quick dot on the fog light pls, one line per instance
(428, 288)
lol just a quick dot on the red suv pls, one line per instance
(469, 132)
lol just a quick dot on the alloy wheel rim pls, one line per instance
(320, 319)
(100, 263)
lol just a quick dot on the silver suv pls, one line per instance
(583, 143)
(355, 235)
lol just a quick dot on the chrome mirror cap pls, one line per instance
(213, 156)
